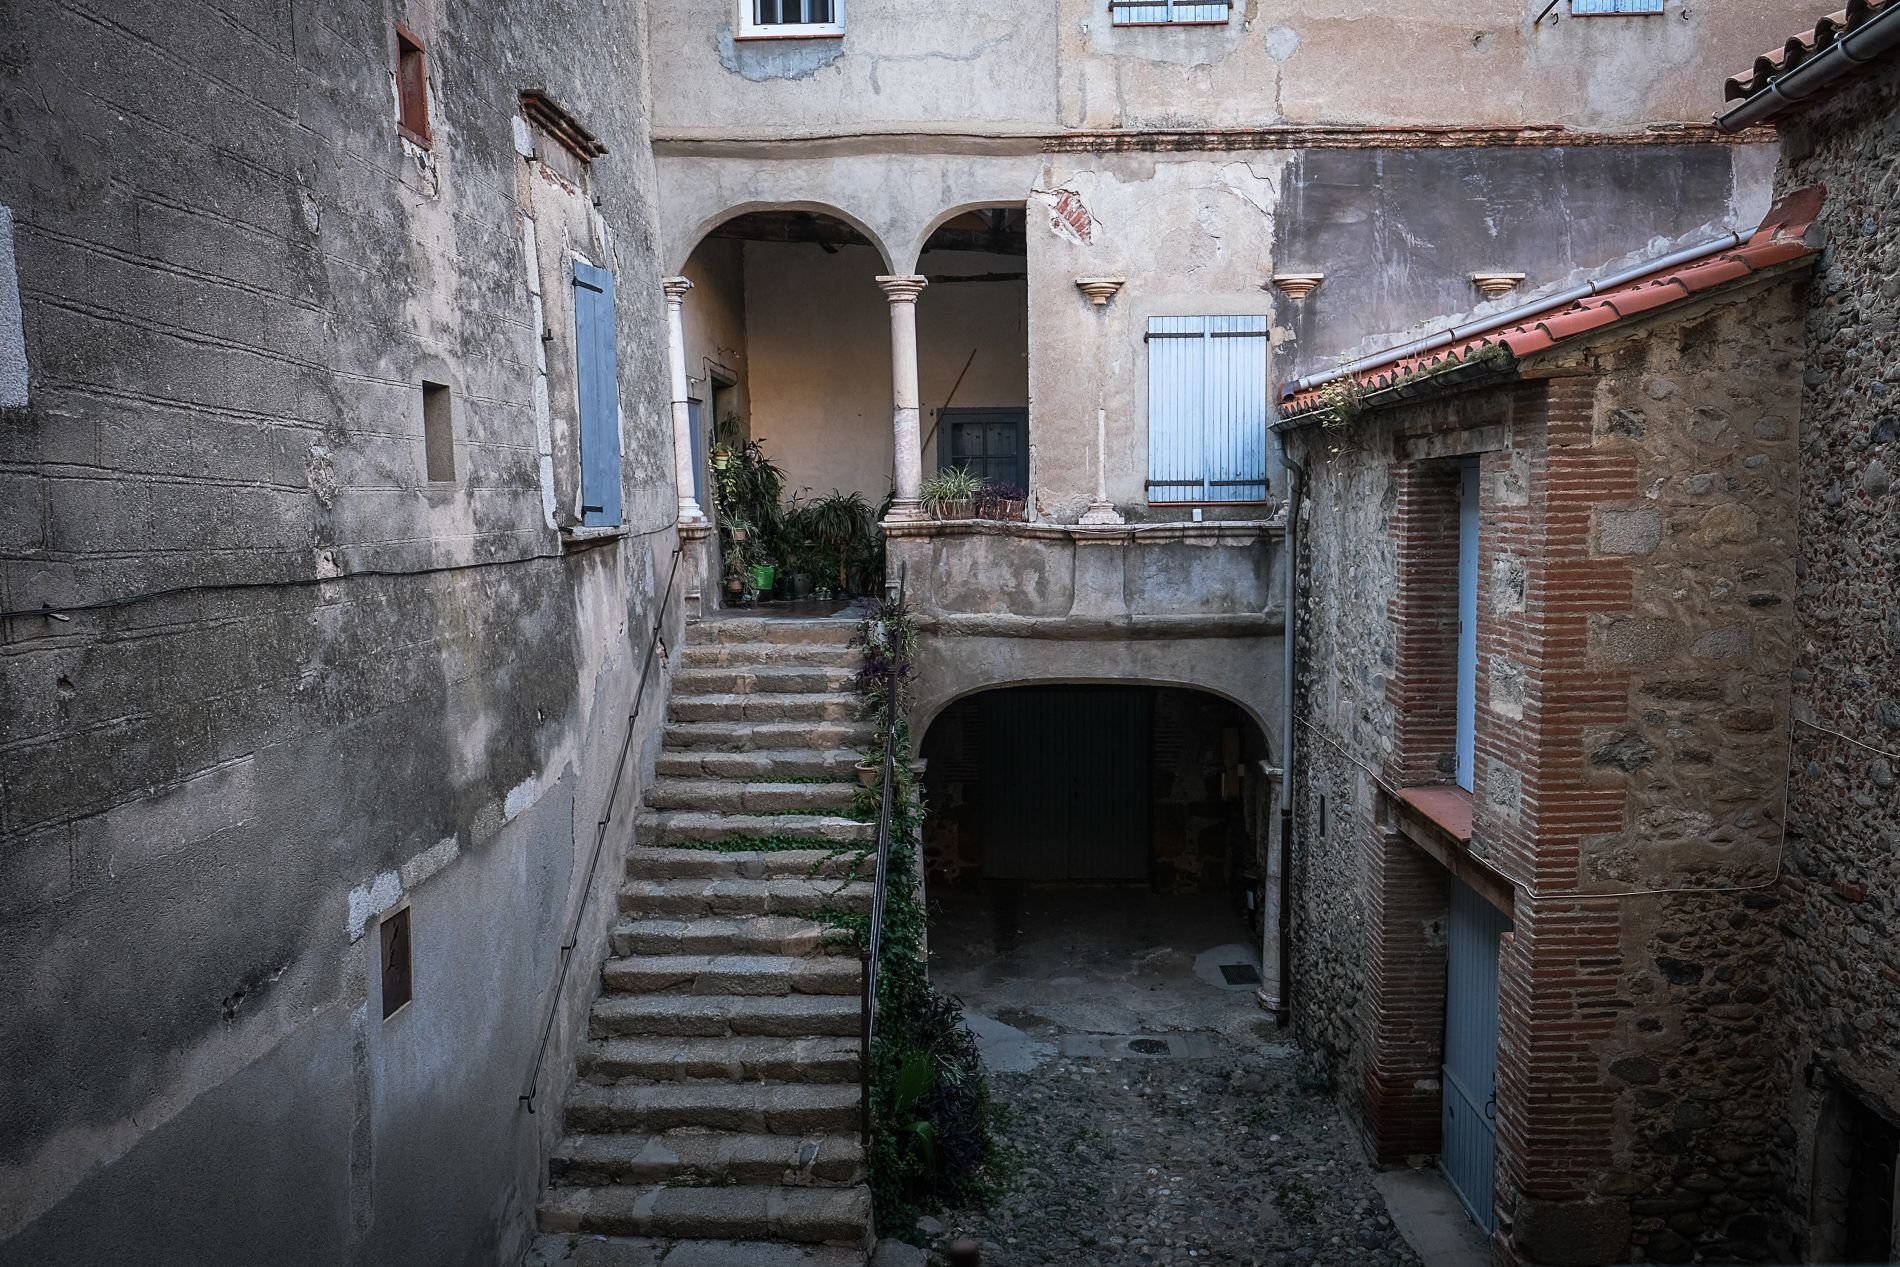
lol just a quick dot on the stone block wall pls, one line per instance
(1840, 882)
(319, 685)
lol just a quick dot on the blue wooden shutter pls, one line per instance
(599, 384)
(1466, 698)
(1207, 409)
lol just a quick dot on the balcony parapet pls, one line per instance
(1222, 531)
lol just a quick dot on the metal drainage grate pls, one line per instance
(1148, 1046)
(1240, 973)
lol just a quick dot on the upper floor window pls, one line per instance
(1169, 12)
(791, 17)
(412, 87)
(1207, 410)
(1609, 8)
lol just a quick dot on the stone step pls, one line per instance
(726, 935)
(731, 974)
(839, 764)
(830, 1059)
(730, 796)
(756, 1108)
(751, 655)
(564, 1249)
(781, 679)
(764, 706)
(805, 1215)
(705, 1159)
(662, 829)
(743, 897)
(718, 1016)
(742, 736)
(652, 863)
(820, 630)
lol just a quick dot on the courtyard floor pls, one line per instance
(1154, 1113)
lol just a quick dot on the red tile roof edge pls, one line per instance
(1799, 48)
(1783, 235)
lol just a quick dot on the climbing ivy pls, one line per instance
(931, 1114)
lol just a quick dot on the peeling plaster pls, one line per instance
(367, 901)
(761, 60)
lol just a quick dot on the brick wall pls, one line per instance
(1634, 575)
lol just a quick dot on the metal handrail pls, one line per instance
(874, 942)
(600, 836)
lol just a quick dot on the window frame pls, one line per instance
(406, 120)
(750, 28)
(1661, 6)
(1117, 7)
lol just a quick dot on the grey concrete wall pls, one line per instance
(996, 67)
(373, 689)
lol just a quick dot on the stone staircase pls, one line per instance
(714, 1122)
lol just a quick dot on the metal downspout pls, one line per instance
(1296, 483)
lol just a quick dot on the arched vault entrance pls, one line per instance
(1104, 835)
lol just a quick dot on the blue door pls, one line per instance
(1468, 1118)
(1467, 620)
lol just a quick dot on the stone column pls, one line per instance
(902, 291)
(676, 288)
(1101, 512)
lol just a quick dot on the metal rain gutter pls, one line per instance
(1850, 52)
(1521, 313)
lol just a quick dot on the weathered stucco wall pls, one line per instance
(1000, 67)
(713, 321)
(1398, 233)
(359, 687)
(1841, 882)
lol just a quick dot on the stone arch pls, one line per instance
(927, 708)
(914, 242)
(708, 224)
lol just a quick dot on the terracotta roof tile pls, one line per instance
(1801, 47)
(1780, 237)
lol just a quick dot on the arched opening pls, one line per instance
(973, 352)
(1111, 836)
(788, 368)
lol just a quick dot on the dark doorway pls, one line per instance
(1066, 771)
(1856, 1150)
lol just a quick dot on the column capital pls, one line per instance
(675, 288)
(901, 288)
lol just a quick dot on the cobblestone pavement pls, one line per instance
(1231, 1159)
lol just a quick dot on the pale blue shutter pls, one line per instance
(1127, 13)
(1207, 409)
(599, 389)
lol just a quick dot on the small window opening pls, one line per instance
(398, 985)
(1614, 8)
(412, 87)
(791, 17)
(1322, 815)
(1169, 12)
(438, 432)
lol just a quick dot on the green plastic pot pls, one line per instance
(762, 574)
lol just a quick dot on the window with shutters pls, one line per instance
(1169, 12)
(769, 19)
(1207, 410)
(598, 389)
(992, 444)
(412, 87)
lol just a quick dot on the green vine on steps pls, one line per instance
(931, 1116)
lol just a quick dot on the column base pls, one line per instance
(1101, 515)
(906, 512)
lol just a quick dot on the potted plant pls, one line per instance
(833, 524)
(869, 772)
(1001, 501)
(762, 576)
(951, 493)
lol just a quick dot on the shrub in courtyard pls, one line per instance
(931, 1140)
